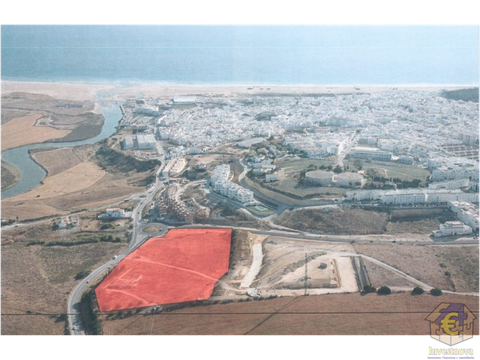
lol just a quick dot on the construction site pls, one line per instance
(280, 266)
(171, 206)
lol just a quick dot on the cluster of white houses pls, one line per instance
(467, 213)
(220, 184)
(412, 196)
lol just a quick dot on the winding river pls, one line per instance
(32, 174)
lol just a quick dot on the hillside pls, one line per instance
(114, 161)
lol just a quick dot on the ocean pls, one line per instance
(276, 55)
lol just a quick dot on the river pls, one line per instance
(32, 174)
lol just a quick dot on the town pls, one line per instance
(396, 147)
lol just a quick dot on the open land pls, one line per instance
(334, 314)
(335, 221)
(357, 221)
(46, 118)
(182, 266)
(13, 132)
(429, 264)
(75, 181)
(38, 279)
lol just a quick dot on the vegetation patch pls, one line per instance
(115, 161)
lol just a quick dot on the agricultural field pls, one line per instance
(13, 132)
(334, 314)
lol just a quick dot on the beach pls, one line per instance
(79, 91)
(58, 90)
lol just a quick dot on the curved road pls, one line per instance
(137, 239)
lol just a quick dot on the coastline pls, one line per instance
(59, 90)
(86, 91)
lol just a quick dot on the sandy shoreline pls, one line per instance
(67, 91)
(79, 91)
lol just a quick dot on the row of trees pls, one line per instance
(385, 290)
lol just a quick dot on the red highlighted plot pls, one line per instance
(182, 266)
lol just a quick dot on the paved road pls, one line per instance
(138, 238)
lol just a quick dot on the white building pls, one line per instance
(221, 185)
(146, 142)
(362, 195)
(451, 184)
(271, 177)
(466, 212)
(127, 143)
(453, 228)
(115, 213)
(147, 111)
(403, 198)
(444, 196)
(220, 173)
(184, 100)
(370, 153)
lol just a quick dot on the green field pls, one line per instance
(290, 185)
(403, 172)
(299, 165)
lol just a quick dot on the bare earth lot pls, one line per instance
(429, 264)
(335, 314)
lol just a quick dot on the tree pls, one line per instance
(417, 290)
(436, 292)
(384, 290)
(82, 274)
(369, 289)
(358, 164)
(337, 169)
